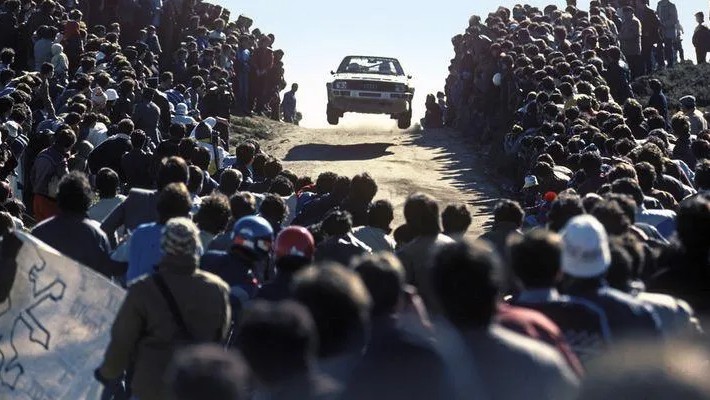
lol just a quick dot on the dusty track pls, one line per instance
(438, 162)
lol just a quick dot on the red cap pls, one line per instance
(294, 241)
(550, 197)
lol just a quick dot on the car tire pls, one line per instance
(405, 120)
(333, 115)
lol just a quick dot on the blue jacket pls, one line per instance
(145, 251)
(627, 316)
(234, 270)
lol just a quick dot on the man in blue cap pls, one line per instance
(245, 264)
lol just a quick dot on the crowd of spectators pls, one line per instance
(246, 281)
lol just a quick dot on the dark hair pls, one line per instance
(74, 194)
(535, 259)
(422, 215)
(245, 152)
(279, 340)
(646, 175)
(195, 182)
(173, 201)
(201, 158)
(65, 139)
(281, 186)
(107, 183)
(207, 371)
(272, 168)
(702, 175)
(613, 217)
(628, 187)
(325, 182)
(125, 126)
(508, 211)
(339, 304)
(693, 224)
(273, 208)
(213, 214)
(464, 278)
(380, 215)
(456, 219)
(242, 205)
(229, 181)
(363, 188)
(138, 139)
(337, 223)
(172, 170)
(383, 275)
(563, 209)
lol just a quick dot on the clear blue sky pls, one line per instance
(317, 34)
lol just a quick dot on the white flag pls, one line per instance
(55, 322)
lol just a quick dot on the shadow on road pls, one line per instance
(338, 152)
(465, 169)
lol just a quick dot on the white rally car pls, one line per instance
(370, 85)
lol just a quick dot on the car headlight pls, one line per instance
(340, 85)
(400, 88)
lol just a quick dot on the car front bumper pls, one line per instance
(367, 102)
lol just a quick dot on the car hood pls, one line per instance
(372, 77)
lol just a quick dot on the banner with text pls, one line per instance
(55, 322)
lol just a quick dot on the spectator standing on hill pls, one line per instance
(288, 105)
(630, 38)
(668, 16)
(701, 38)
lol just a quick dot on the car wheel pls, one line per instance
(405, 120)
(333, 115)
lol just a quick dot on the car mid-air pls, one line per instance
(370, 85)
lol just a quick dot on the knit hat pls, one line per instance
(585, 248)
(181, 237)
(181, 109)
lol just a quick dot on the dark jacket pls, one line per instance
(627, 316)
(682, 151)
(234, 270)
(314, 211)
(144, 335)
(398, 365)
(109, 154)
(80, 239)
(618, 78)
(659, 101)
(136, 166)
(147, 117)
(358, 209)
(341, 249)
(277, 289)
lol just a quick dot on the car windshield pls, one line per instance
(370, 65)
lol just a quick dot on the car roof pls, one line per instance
(360, 56)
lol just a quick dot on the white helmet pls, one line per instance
(498, 79)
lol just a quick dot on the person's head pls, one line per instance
(107, 183)
(294, 87)
(340, 306)
(7, 55)
(699, 17)
(172, 170)
(242, 204)
(630, 188)
(273, 208)
(196, 180)
(380, 215)
(687, 103)
(229, 182)
(562, 210)
(681, 125)
(337, 223)
(253, 236)
(613, 217)
(591, 163)
(180, 241)
(138, 139)
(281, 186)
(174, 201)
(464, 277)
(383, 275)
(363, 188)
(456, 219)
(279, 340)
(693, 225)
(294, 249)
(510, 212)
(213, 214)
(655, 85)
(74, 194)
(325, 182)
(585, 248)
(535, 259)
(646, 175)
(245, 153)
(702, 175)
(422, 215)
(207, 371)
(64, 140)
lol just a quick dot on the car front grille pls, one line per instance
(372, 86)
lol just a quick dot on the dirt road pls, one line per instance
(437, 162)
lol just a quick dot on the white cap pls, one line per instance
(210, 121)
(111, 94)
(530, 181)
(585, 248)
(498, 79)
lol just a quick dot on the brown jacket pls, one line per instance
(144, 333)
